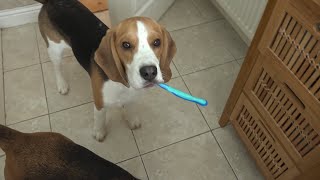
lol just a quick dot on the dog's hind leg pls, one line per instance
(56, 45)
(55, 51)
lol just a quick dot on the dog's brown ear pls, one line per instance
(107, 58)
(168, 51)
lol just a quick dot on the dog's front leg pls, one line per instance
(99, 126)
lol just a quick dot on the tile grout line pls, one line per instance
(198, 9)
(50, 113)
(239, 64)
(198, 24)
(196, 104)
(166, 11)
(240, 60)
(201, 23)
(211, 130)
(191, 94)
(236, 59)
(44, 84)
(19, 26)
(10, 70)
(171, 144)
(40, 63)
(125, 160)
(210, 67)
(71, 107)
(3, 93)
(47, 60)
(29, 119)
(144, 166)
(224, 155)
(179, 75)
(206, 22)
(194, 4)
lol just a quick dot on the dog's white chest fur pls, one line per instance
(116, 94)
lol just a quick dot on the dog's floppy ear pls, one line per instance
(168, 51)
(107, 58)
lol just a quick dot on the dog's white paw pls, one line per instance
(99, 135)
(134, 123)
(63, 87)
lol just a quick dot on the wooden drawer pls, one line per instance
(285, 114)
(268, 153)
(295, 45)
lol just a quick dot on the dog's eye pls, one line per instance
(157, 43)
(126, 45)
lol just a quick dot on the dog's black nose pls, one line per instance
(148, 72)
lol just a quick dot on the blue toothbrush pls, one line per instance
(184, 95)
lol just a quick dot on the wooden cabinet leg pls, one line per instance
(224, 119)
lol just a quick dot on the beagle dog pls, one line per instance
(121, 61)
(49, 155)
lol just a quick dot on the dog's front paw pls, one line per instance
(134, 123)
(99, 135)
(63, 86)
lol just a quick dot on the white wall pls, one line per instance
(122, 9)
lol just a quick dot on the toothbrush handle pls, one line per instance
(184, 96)
(188, 97)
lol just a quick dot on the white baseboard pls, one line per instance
(19, 16)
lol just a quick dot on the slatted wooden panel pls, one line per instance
(270, 156)
(299, 50)
(286, 114)
(262, 143)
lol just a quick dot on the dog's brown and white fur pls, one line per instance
(115, 64)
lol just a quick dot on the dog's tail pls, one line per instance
(42, 1)
(7, 137)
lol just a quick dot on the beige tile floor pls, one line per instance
(178, 140)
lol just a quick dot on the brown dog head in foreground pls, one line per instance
(47, 155)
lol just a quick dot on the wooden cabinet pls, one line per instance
(95, 5)
(275, 102)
